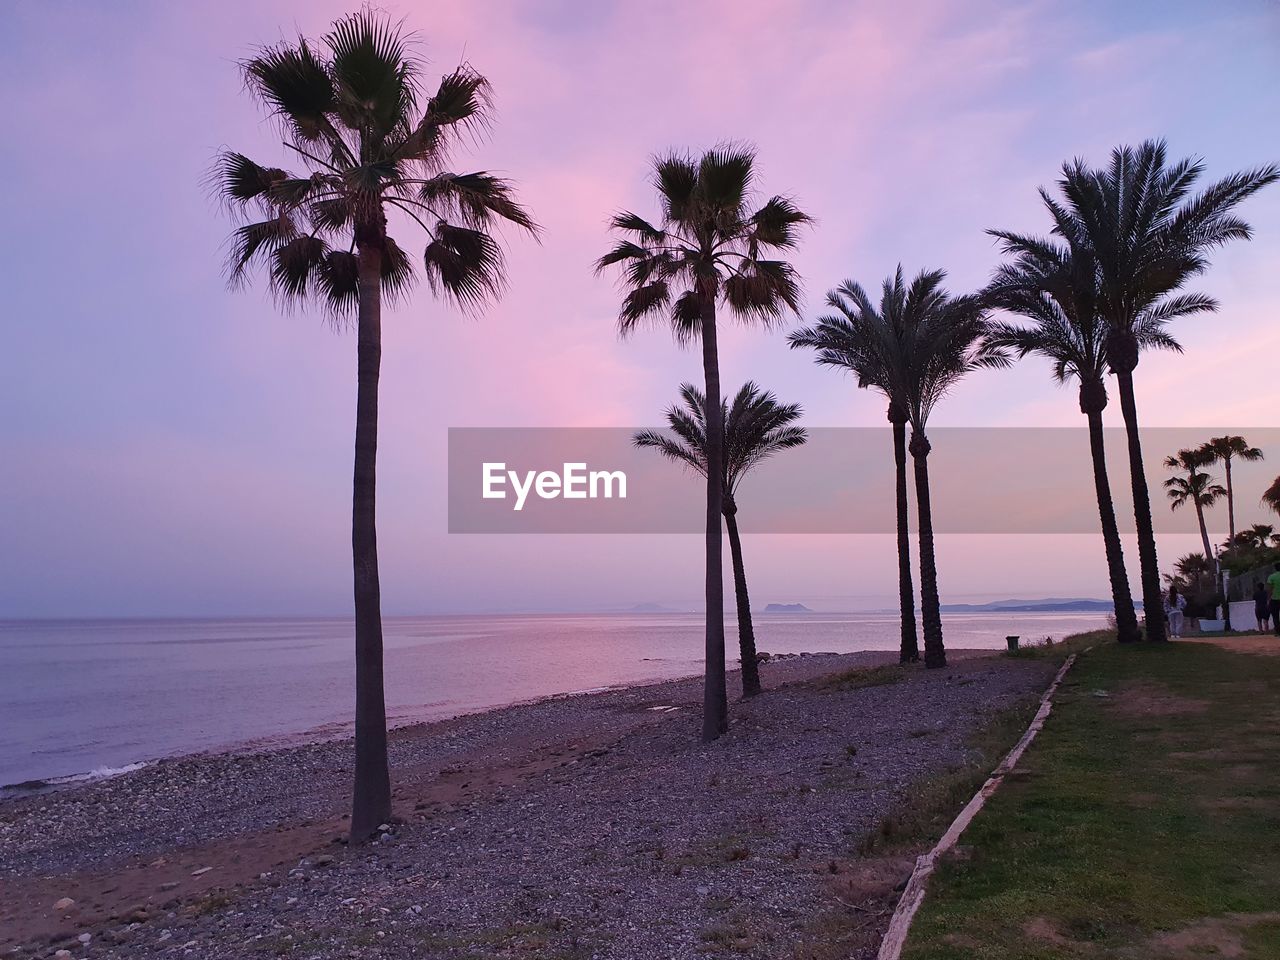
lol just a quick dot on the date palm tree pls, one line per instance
(1223, 450)
(870, 342)
(371, 141)
(1053, 287)
(708, 250)
(756, 426)
(1196, 488)
(1149, 236)
(923, 341)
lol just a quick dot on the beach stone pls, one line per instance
(172, 884)
(66, 903)
(85, 937)
(62, 955)
(201, 872)
(323, 860)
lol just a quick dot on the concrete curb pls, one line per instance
(913, 895)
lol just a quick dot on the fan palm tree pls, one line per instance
(1272, 497)
(354, 114)
(923, 341)
(1149, 236)
(1223, 450)
(1196, 488)
(756, 426)
(869, 341)
(708, 250)
(1053, 287)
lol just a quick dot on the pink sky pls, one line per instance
(172, 447)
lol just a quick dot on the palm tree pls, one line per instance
(1193, 572)
(870, 342)
(1223, 450)
(708, 250)
(1272, 497)
(1197, 488)
(1260, 535)
(1149, 237)
(353, 113)
(756, 426)
(1053, 286)
(923, 341)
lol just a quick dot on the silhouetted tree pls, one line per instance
(756, 426)
(353, 113)
(708, 250)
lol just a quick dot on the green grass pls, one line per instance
(1144, 822)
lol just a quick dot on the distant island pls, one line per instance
(650, 608)
(1047, 605)
(787, 608)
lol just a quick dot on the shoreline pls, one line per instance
(506, 815)
(326, 733)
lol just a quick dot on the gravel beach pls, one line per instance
(586, 826)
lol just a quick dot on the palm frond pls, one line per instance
(464, 265)
(295, 85)
(476, 200)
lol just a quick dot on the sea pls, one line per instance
(92, 698)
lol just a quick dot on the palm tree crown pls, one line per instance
(913, 347)
(756, 426)
(1055, 285)
(1148, 235)
(354, 114)
(1220, 449)
(1272, 496)
(1196, 488)
(708, 247)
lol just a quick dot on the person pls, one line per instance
(1262, 607)
(1273, 582)
(1174, 604)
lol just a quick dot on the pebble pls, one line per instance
(622, 856)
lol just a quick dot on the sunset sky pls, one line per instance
(174, 448)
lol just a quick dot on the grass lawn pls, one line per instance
(1144, 822)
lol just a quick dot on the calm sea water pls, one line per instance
(93, 696)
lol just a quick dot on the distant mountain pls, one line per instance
(649, 608)
(1047, 605)
(787, 608)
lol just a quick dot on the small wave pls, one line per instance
(50, 783)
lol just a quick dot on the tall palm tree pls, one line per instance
(353, 112)
(708, 250)
(1223, 450)
(1149, 236)
(1272, 497)
(756, 426)
(1053, 287)
(1196, 488)
(870, 342)
(923, 341)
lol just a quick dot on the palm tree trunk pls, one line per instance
(910, 647)
(371, 794)
(746, 634)
(1152, 602)
(935, 655)
(715, 698)
(1126, 617)
(1231, 500)
(1204, 533)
